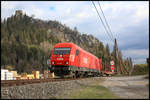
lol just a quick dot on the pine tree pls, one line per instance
(27, 39)
(115, 57)
(108, 56)
(75, 29)
(4, 34)
(101, 50)
(130, 62)
(12, 39)
(121, 64)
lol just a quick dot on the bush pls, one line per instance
(140, 69)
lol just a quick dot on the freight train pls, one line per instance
(68, 59)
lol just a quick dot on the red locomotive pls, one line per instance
(70, 59)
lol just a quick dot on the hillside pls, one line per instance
(26, 42)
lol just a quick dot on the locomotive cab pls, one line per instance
(61, 56)
(60, 60)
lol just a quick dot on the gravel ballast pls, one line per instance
(48, 90)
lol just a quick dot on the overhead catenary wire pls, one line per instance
(102, 22)
(106, 21)
(105, 38)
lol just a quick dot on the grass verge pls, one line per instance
(94, 91)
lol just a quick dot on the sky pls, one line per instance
(128, 21)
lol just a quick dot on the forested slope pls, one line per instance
(26, 42)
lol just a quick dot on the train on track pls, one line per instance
(68, 59)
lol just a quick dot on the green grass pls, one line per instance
(94, 91)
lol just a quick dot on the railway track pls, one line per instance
(7, 83)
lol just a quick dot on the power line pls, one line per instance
(102, 21)
(105, 38)
(105, 19)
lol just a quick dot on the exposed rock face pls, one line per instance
(77, 38)
(64, 34)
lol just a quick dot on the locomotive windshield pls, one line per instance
(62, 51)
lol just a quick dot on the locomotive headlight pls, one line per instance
(53, 62)
(66, 62)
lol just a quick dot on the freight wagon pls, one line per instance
(70, 59)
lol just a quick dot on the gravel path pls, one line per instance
(133, 87)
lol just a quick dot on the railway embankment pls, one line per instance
(47, 90)
(125, 87)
